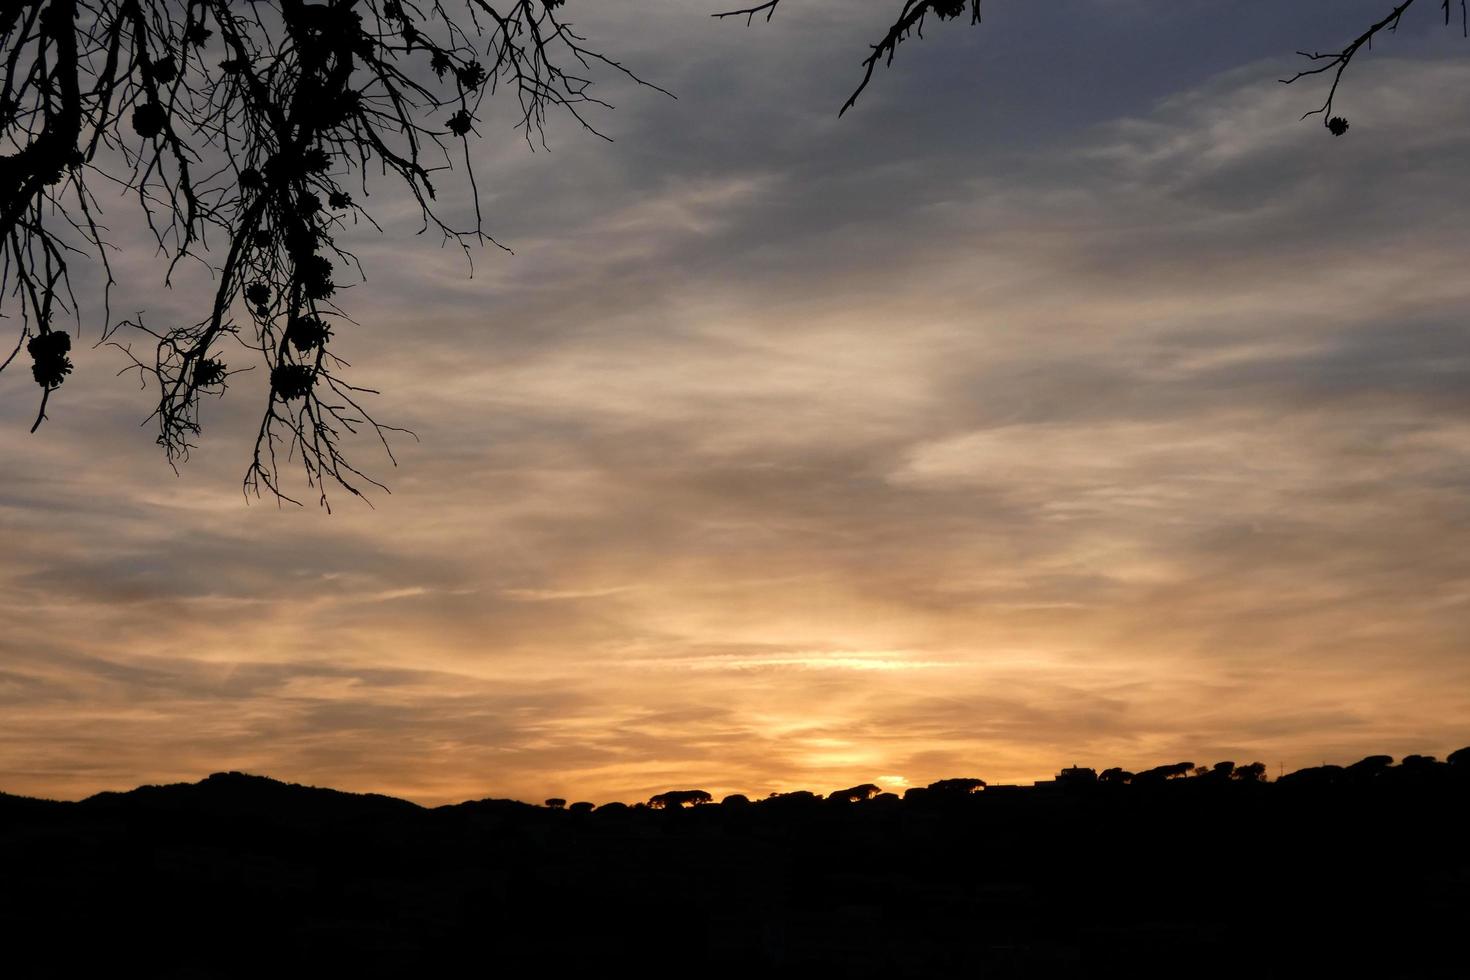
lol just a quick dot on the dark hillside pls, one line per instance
(1357, 871)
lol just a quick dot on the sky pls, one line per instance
(1069, 400)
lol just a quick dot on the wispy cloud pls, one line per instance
(786, 454)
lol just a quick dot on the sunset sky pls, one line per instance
(1068, 400)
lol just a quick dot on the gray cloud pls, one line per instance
(1003, 424)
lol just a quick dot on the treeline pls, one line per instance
(1176, 871)
(1375, 767)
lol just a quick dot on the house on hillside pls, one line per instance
(1077, 776)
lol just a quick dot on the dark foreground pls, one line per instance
(1363, 871)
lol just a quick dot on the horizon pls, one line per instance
(533, 800)
(1069, 397)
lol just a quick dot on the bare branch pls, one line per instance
(240, 128)
(768, 8)
(1337, 62)
(910, 21)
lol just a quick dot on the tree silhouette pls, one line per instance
(242, 876)
(1254, 772)
(677, 799)
(251, 124)
(855, 794)
(243, 130)
(913, 14)
(958, 786)
(1159, 774)
(1334, 63)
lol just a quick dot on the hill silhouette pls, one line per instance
(1360, 870)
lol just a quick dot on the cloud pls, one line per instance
(784, 453)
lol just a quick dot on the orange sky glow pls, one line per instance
(787, 453)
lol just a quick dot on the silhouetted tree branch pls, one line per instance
(242, 129)
(1336, 62)
(252, 122)
(910, 21)
(912, 14)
